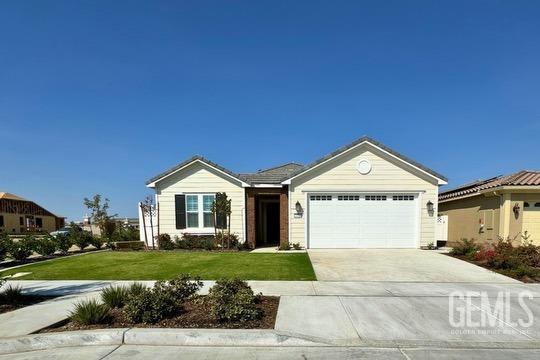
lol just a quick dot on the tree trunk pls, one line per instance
(143, 212)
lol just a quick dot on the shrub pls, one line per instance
(524, 270)
(21, 249)
(136, 288)
(285, 246)
(233, 300)
(5, 245)
(296, 246)
(46, 246)
(125, 233)
(97, 242)
(528, 254)
(11, 294)
(63, 243)
(190, 241)
(81, 239)
(165, 242)
(228, 240)
(466, 247)
(431, 246)
(150, 306)
(90, 312)
(504, 255)
(485, 254)
(115, 296)
(183, 287)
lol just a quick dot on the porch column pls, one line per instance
(284, 216)
(250, 218)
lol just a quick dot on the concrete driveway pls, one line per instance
(406, 265)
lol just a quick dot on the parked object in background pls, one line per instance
(21, 216)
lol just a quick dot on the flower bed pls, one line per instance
(520, 261)
(175, 304)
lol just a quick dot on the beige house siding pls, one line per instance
(464, 216)
(198, 178)
(341, 174)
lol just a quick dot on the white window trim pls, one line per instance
(200, 210)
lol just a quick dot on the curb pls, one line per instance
(62, 339)
(222, 338)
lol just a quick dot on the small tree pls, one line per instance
(148, 209)
(99, 215)
(221, 209)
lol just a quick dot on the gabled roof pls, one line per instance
(9, 196)
(152, 181)
(521, 178)
(366, 139)
(274, 175)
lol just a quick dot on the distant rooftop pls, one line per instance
(10, 196)
(521, 178)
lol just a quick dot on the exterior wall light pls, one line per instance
(298, 208)
(516, 209)
(430, 207)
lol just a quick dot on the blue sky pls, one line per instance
(99, 96)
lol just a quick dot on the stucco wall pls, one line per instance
(198, 178)
(466, 215)
(341, 174)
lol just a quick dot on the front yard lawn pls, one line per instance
(163, 265)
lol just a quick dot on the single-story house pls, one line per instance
(498, 207)
(364, 195)
(19, 216)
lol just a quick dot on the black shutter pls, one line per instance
(180, 211)
(221, 221)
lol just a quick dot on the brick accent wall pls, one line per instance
(251, 219)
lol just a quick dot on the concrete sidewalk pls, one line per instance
(298, 288)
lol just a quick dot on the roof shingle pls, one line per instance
(521, 178)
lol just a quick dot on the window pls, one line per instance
(525, 204)
(403, 197)
(320, 197)
(537, 205)
(348, 197)
(375, 197)
(199, 210)
(1, 220)
(39, 223)
(192, 210)
(21, 221)
(208, 217)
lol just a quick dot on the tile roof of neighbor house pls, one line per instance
(9, 196)
(278, 174)
(521, 178)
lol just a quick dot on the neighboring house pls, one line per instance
(503, 206)
(363, 195)
(19, 216)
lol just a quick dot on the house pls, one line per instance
(19, 216)
(502, 206)
(364, 195)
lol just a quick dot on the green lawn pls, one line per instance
(158, 265)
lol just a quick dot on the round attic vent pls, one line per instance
(364, 167)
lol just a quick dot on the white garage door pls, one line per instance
(363, 220)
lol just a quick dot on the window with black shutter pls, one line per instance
(180, 211)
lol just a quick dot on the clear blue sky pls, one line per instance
(99, 96)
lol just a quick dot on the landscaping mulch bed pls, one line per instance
(196, 314)
(26, 300)
(506, 272)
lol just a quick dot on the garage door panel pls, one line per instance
(362, 221)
